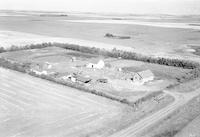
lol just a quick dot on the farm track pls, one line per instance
(34, 107)
(180, 99)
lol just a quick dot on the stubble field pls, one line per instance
(34, 107)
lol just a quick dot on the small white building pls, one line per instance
(90, 65)
(40, 72)
(119, 69)
(73, 59)
(47, 65)
(99, 65)
(70, 77)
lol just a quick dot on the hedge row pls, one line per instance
(131, 56)
(114, 53)
(31, 46)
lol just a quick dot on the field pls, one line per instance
(192, 129)
(78, 101)
(9, 38)
(143, 99)
(144, 38)
(179, 121)
(35, 107)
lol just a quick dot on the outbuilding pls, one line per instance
(99, 65)
(102, 80)
(47, 65)
(83, 79)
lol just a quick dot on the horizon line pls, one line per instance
(88, 12)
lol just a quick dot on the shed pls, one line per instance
(103, 80)
(67, 76)
(82, 79)
(47, 65)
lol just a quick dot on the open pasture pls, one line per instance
(144, 38)
(192, 129)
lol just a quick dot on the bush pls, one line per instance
(2, 49)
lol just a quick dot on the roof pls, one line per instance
(82, 79)
(103, 80)
(129, 75)
(145, 73)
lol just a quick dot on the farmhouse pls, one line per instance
(99, 65)
(146, 75)
(141, 77)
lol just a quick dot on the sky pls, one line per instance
(115, 6)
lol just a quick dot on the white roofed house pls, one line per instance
(140, 77)
(99, 65)
(144, 76)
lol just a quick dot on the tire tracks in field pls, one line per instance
(51, 92)
(53, 89)
(19, 94)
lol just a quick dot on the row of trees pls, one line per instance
(132, 56)
(117, 53)
(31, 46)
(114, 53)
